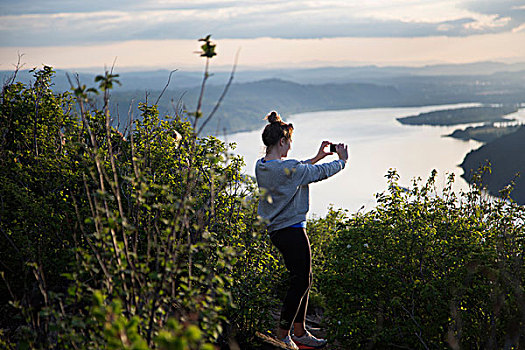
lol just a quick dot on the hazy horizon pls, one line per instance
(228, 68)
(162, 34)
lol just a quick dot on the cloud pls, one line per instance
(63, 22)
(505, 14)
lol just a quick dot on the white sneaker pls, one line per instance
(290, 343)
(309, 340)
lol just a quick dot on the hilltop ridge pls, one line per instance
(507, 158)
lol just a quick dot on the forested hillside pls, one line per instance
(246, 104)
(506, 156)
(484, 133)
(461, 116)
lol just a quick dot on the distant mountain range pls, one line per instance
(254, 93)
(156, 79)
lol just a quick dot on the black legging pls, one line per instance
(294, 245)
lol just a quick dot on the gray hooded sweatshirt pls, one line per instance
(284, 189)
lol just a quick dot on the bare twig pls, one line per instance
(39, 276)
(18, 66)
(7, 285)
(130, 119)
(222, 95)
(37, 105)
(418, 326)
(179, 107)
(101, 176)
(165, 87)
(201, 95)
(9, 239)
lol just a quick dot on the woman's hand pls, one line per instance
(322, 153)
(342, 151)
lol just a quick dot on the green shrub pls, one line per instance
(424, 270)
(321, 231)
(157, 225)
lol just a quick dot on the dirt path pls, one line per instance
(313, 324)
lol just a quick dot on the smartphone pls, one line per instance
(332, 148)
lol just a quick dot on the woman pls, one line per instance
(284, 204)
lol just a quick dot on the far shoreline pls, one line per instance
(292, 116)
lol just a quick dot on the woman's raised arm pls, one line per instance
(320, 154)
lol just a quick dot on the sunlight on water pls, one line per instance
(377, 142)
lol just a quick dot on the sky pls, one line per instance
(162, 34)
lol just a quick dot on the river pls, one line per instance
(377, 142)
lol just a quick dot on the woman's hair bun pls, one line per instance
(273, 117)
(275, 130)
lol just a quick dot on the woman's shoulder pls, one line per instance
(277, 162)
(291, 162)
